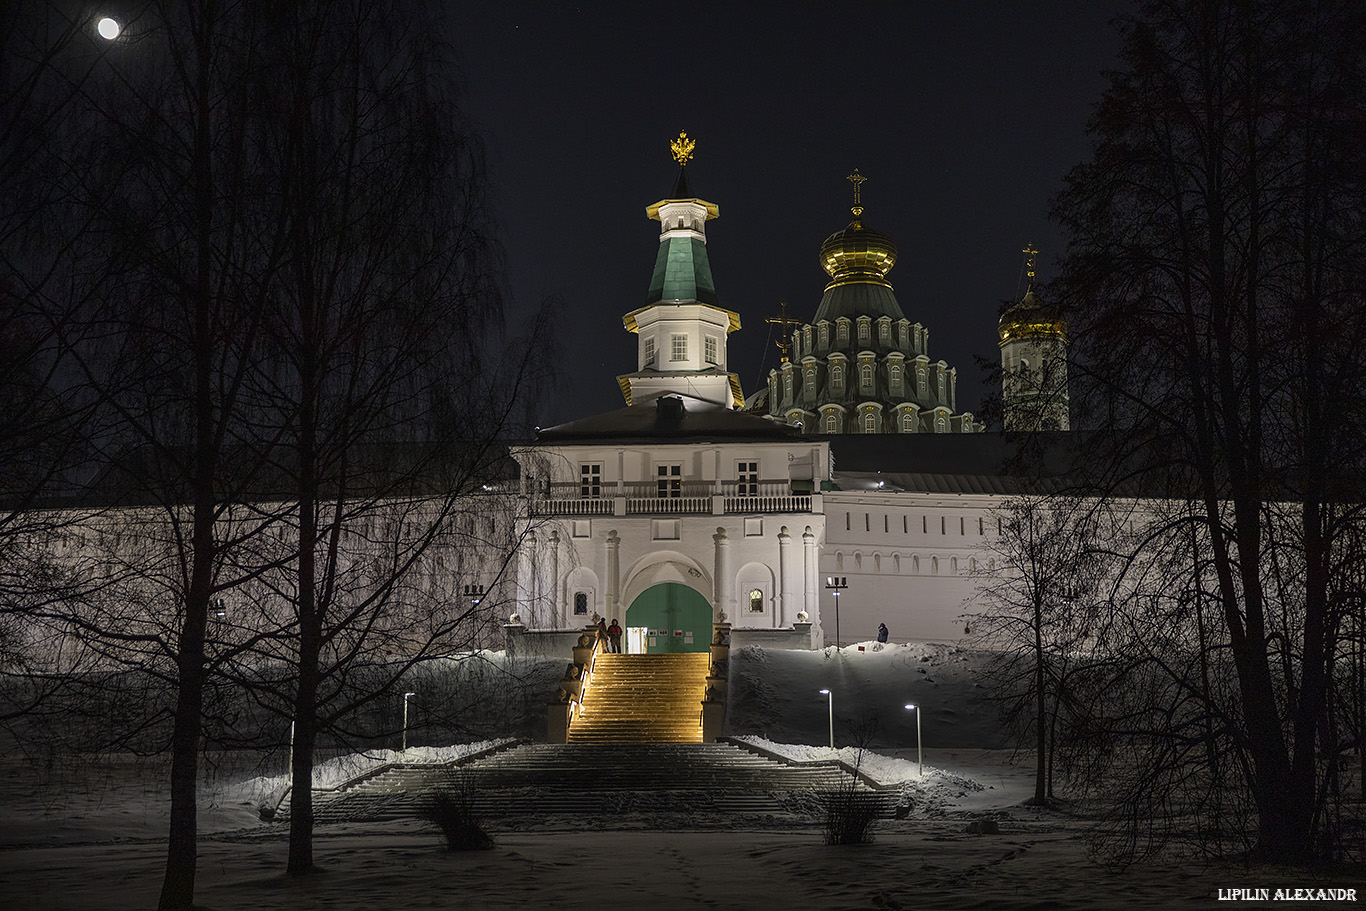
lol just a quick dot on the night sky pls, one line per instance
(964, 117)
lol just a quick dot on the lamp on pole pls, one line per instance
(837, 584)
(830, 698)
(406, 697)
(919, 754)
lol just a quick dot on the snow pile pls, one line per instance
(775, 694)
(336, 772)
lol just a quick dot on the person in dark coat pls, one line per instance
(614, 635)
(882, 632)
(602, 635)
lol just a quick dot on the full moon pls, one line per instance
(108, 28)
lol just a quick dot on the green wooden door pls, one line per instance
(677, 618)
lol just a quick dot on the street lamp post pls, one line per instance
(830, 698)
(919, 754)
(406, 697)
(837, 584)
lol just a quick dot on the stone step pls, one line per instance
(587, 778)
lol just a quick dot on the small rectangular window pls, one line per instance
(961, 520)
(670, 481)
(904, 523)
(590, 482)
(942, 525)
(649, 351)
(867, 523)
(580, 603)
(924, 525)
(884, 524)
(747, 478)
(711, 349)
(678, 347)
(756, 601)
(846, 521)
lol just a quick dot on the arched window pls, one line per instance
(756, 601)
(934, 566)
(907, 422)
(915, 565)
(580, 603)
(870, 423)
(836, 375)
(830, 422)
(953, 564)
(863, 332)
(825, 335)
(865, 374)
(894, 376)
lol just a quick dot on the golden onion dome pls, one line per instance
(858, 254)
(1031, 317)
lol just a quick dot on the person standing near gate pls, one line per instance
(614, 636)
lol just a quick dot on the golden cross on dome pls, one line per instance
(857, 180)
(1029, 252)
(682, 148)
(785, 322)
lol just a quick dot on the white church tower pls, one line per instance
(682, 332)
(1033, 342)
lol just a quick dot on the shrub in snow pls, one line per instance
(849, 816)
(451, 809)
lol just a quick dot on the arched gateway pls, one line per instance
(675, 618)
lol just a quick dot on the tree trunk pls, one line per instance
(1041, 709)
(177, 890)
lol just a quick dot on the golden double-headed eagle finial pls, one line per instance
(1029, 253)
(682, 148)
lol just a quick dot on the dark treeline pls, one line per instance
(252, 288)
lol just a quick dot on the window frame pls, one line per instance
(669, 480)
(590, 480)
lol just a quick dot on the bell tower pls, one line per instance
(682, 331)
(1033, 343)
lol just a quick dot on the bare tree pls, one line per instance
(1215, 282)
(1036, 607)
(383, 399)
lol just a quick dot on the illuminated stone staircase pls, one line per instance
(709, 783)
(643, 699)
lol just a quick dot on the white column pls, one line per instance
(787, 570)
(811, 589)
(531, 581)
(724, 582)
(556, 600)
(613, 561)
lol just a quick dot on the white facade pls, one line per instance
(606, 522)
(910, 560)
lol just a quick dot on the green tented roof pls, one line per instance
(682, 272)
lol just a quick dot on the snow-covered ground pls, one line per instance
(90, 835)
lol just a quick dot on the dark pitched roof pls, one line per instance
(661, 422)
